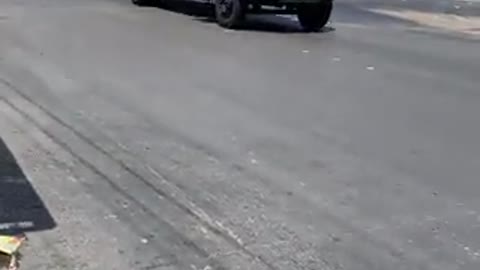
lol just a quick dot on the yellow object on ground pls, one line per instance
(10, 244)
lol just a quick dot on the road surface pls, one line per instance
(147, 138)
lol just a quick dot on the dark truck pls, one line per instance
(313, 15)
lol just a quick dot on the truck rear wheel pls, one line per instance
(230, 13)
(313, 17)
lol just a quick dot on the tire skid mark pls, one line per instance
(111, 183)
(183, 204)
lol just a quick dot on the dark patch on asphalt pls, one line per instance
(21, 208)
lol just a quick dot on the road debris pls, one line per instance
(13, 264)
(110, 217)
(8, 262)
(371, 68)
(9, 246)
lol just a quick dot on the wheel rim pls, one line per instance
(225, 8)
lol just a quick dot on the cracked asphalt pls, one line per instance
(150, 138)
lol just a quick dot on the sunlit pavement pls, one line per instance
(153, 139)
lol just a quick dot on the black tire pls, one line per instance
(230, 13)
(313, 17)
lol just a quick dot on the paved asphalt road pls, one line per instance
(143, 138)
